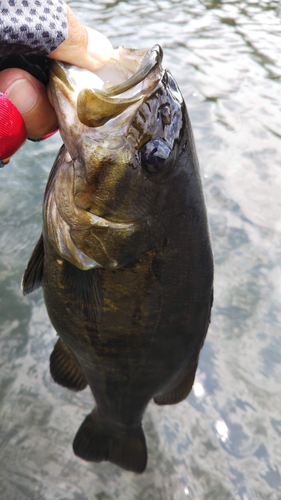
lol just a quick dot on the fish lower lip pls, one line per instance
(96, 107)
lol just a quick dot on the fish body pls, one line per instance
(125, 258)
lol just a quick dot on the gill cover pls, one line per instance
(81, 237)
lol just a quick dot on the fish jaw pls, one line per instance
(102, 104)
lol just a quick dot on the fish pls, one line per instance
(124, 258)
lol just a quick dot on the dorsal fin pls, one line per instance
(32, 278)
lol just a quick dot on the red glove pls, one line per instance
(12, 130)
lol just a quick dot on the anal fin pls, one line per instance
(96, 441)
(32, 278)
(65, 368)
(181, 388)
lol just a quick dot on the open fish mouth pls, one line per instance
(129, 76)
(83, 211)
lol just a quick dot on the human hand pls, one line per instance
(89, 50)
(83, 47)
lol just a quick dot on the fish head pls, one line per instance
(123, 131)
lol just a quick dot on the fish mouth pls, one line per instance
(99, 96)
(95, 111)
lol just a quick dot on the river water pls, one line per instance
(223, 442)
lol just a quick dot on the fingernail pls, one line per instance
(23, 95)
(99, 47)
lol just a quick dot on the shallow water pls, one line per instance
(223, 442)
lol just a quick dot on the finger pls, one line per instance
(83, 47)
(30, 97)
(99, 47)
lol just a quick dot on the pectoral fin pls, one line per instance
(83, 289)
(65, 368)
(32, 278)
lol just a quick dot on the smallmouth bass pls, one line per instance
(124, 259)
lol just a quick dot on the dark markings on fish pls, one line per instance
(33, 275)
(102, 175)
(65, 368)
(137, 315)
(96, 440)
(148, 105)
(133, 135)
(142, 115)
(166, 115)
(137, 125)
(83, 289)
(157, 267)
(164, 105)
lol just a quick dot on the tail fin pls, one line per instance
(95, 441)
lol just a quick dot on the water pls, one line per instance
(223, 442)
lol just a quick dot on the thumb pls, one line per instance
(83, 46)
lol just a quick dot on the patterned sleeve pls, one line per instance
(31, 26)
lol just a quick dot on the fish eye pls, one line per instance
(154, 156)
